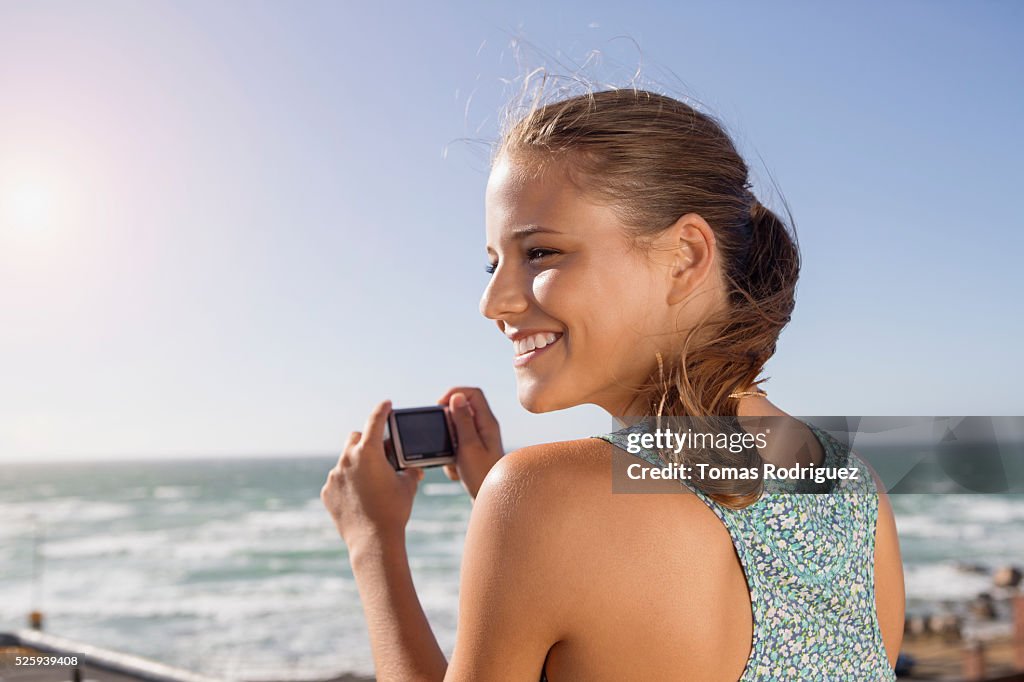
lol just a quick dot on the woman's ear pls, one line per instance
(693, 256)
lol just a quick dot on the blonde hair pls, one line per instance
(653, 159)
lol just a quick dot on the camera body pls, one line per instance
(419, 437)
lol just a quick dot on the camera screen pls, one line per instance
(423, 432)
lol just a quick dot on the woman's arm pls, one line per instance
(404, 646)
(517, 586)
(370, 504)
(890, 594)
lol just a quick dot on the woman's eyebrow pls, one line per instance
(521, 232)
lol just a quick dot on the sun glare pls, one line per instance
(26, 206)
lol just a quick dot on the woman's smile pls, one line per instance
(529, 347)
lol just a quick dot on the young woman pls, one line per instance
(631, 268)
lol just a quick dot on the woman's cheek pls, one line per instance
(551, 290)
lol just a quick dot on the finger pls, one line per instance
(352, 439)
(451, 472)
(486, 422)
(475, 396)
(374, 431)
(467, 390)
(477, 400)
(465, 426)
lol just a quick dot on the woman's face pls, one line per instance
(564, 270)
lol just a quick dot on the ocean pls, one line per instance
(233, 568)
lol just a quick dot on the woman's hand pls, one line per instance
(478, 434)
(365, 496)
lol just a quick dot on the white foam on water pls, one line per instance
(929, 526)
(135, 493)
(318, 646)
(139, 543)
(177, 508)
(118, 596)
(14, 528)
(259, 532)
(987, 631)
(939, 581)
(442, 489)
(175, 492)
(64, 510)
(436, 526)
(15, 598)
(992, 509)
(287, 520)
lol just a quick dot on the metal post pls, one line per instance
(35, 617)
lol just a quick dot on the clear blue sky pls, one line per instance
(231, 228)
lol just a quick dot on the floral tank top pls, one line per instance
(809, 566)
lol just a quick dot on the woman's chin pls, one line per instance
(535, 408)
(537, 400)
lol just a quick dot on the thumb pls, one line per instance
(462, 416)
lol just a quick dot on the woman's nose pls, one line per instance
(502, 297)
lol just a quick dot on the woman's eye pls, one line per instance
(532, 255)
(537, 254)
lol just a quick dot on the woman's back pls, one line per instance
(667, 580)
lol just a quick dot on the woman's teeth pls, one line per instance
(534, 341)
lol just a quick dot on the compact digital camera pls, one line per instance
(419, 437)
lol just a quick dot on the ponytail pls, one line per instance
(773, 261)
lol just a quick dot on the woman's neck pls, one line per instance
(635, 408)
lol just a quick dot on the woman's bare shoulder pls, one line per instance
(569, 484)
(543, 472)
(534, 516)
(548, 515)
